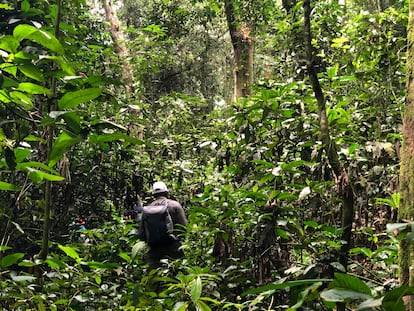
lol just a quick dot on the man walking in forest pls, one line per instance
(161, 223)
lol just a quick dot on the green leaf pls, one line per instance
(64, 65)
(21, 154)
(70, 251)
(292, 165)
(342, 295)
(393, 300)
(37, 176)
(21, 99)
(350, 282)
(25, 5)
(33, 88)
(72, 99)
(62, 144)
(180, 306)
(8, 187)
(9, 44)
(55, 263)
(201, 305)
(39, 36)
(32, 164)
(4, 97)
(10, 260)
(196, 288)
(271, 288)
(125, 256)
(32, 72)
(362, 250)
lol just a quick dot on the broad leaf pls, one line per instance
(62, 144)
(21, 99)
(70, 251)
(39, 36)
(349, 282)
(393, 300)
(32, 72)
(10, 260)
(342, 295)
(33, 88)
(72, 99)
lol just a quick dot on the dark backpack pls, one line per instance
(157, 224)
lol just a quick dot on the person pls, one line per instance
(77, 226)
(172, 249)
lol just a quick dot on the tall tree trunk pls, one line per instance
(243, 51)
(406, 209)
(342, 180)
(121, 49)
(50, 130)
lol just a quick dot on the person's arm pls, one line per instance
(179, 219)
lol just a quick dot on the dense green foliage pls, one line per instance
(254, 178)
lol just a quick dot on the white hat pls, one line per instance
(159, 187)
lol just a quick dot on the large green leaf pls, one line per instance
(63, 63)
(21, 99)
(350, 282)
(8, 187)
(32, 164)
(33, 88)
(393, 300)
(342, 295)
(62, 144)
(10, 260)
(32, 72)
(37, 176)
(196, 288)
(72, 99)
(9, 44)
(21, 154)
(39, 36)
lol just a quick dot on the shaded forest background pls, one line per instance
(99, 100)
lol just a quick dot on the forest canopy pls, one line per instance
(282, 127)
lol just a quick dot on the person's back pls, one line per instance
(172, 248)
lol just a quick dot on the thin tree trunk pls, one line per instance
(406, 208)
(342, 179)
(243, 51)
(47, 221)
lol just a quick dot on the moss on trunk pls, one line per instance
(406, 209)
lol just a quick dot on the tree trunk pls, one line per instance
(243, 51)
(406, 209)
(49, 133)
(121, 49)
(342, 179)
